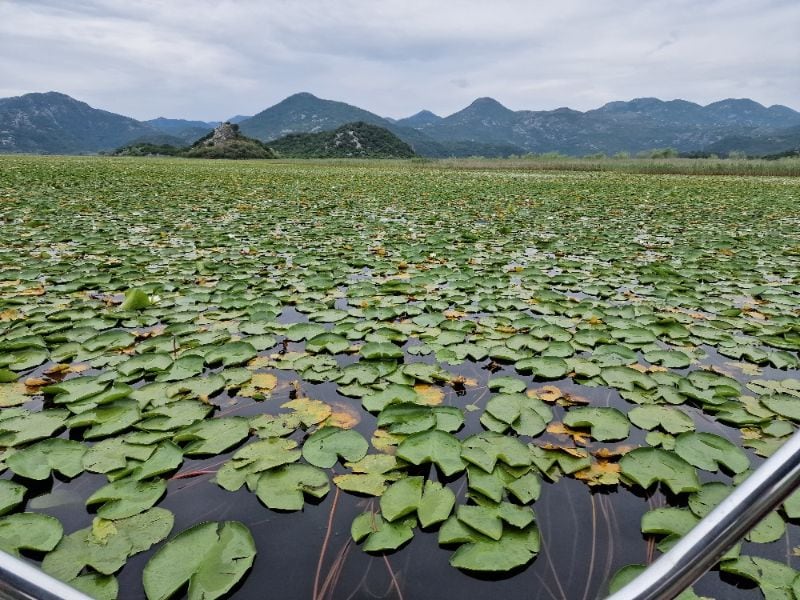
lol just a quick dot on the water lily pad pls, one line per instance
(710, 452)
(210, 557)
(605, 424)
(401, 498)
(543, 367)
(231, 354)
(438, 447)
(29, 531)
(485, 449)
(671, 420)
(126, 497)
(37, 461)
(135, 299)
(381, 535)
(282, 488)
(213, 436)
(380, 350)
(106, 545)
(30, 426)
(328, 342)
(254, 458)
(775, 579)
(515, 548)
(11, 495)
(326, 445)
(524, 414)
(645, 466)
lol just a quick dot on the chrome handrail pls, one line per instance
(20, 580)
(715, 534)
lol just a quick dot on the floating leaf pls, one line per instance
(606, 424)
(671, 420)
(283, 488)
(254, 458)
(514, 549)
(210, 557)
(526, 415)
(381, 535)
(436, 504)
(402, 498)
(36, 461)
(775, 579)
(709, 451)
(326, 445)
(439, 447)
(309, 411)
(27, 426)
(380, 350)
(29, 531)
(485, 449)
(106, 545)
(213, 436)
(645, 466)
(126, 497)
(11, 495)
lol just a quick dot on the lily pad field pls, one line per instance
(389, 380)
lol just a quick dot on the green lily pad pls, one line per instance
(543, 367)
(645, 466)
(327, 342)
(282, 488)
(106, 545)
(708, 451)
(37, 461)
(326, 445)
(11, 495)
(671, 420)
(29, 531)
(515, 548)
(485, 449)
(380, 350)
(775, 579)
(213, 436)
(254, 458)
(525, 415)
(381, 535)
(210, 557)
(126, 497)
(401, 498)
(605, 424)
(438, 447)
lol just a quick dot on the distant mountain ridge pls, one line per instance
(55, 123)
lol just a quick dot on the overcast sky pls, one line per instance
(212, 59)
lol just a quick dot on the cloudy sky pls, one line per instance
(211, 59)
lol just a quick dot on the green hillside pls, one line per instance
(352, 140)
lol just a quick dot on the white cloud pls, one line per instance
(211, 59)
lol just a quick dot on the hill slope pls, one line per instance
(54, 123)
(352, 140)
(226, 141)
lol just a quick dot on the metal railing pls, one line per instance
(20, 580)
(690, 558)
(715, 534)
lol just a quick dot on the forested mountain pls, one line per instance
(56, 123)
(352, 140)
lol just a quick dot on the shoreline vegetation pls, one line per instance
(746, 167)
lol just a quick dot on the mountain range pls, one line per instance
(56, 123)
